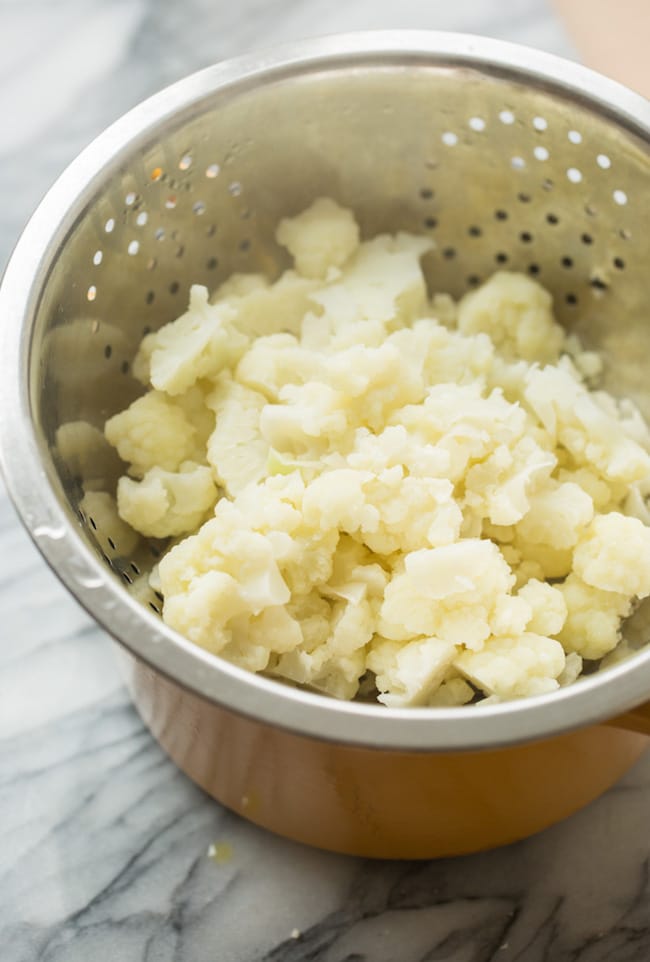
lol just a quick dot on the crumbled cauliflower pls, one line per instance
(517, 314)
(236, 449)
(153, 432)
(527, 664)
(381, 491)
(556, 516)
(593, 623)
(320, 238)
(263, 309)
(199, 344)
(614, 555)
(548, 609)
(167, 503)
(408, 674)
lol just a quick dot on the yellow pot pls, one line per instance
(503, 155)
(382, 803)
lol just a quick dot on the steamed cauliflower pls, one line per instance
(153, 432)
(166, 504)
(322, 237)
(375, 491)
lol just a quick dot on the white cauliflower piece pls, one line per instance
(593, 624)
(167, 503)
(108, 529)
(356, 575)
(602, 493)
(236, 449)
(517, 314)
(594, 437)
(388, 512)
(383, 282)
(557, 516)
(448, 592)
(390, 448)
(322, 237)
(572, 670)
(194, 404)
(198, 344)
(152, 432)
(547, 605)
(458, 420)
(450, 357)
(453, 692)
(409, 674)
(614, 555)
(527, 664)
(274, 509)
(336, 666)
(239, 285)
(277, 360)
(261, 310)
(499, 487)
(310, 419)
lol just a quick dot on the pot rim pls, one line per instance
(56, 532)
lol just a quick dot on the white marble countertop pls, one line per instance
(103, 844)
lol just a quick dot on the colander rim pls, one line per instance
(53, 529)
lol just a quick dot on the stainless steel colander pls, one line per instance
(507, 157)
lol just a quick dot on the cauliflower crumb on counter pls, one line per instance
(376, 492)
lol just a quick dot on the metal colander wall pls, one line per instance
(501, 173)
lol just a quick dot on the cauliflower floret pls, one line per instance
(601, 492)
(527, 664)
(572, 670)
(274, 508)
(261, 310)
(448, 592)
(409, 674)
(236, 449)
(108, 528)
(321, 237)
(557, 516)
(517, 314)
(593, 624)
(197, 412)
(239, 285)
(277, 360)
(614, 555)
(454, 358)
(336, 666)
(547, 605)
(458, 420)
(198, 344)
(310, 419)
(202, 613)
(256, 638)
(390, 448)
(356, 575)
(575, 419)
(388, 512)
(383, 282)
(167, 503)
(499, 488)
(152, 432)
(453, 692)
